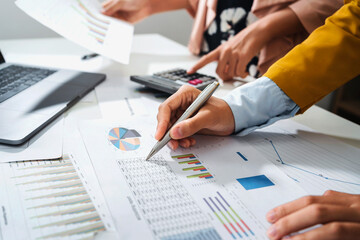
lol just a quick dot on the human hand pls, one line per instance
(339, 214)
(214, 118)
(128, 10)
(234, 55)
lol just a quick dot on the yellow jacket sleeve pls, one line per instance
(327, 59)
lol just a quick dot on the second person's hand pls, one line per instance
(128, 10)
(214, 118)
(234, 55)
(134, 11)
(336, 214)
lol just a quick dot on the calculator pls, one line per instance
(171, 80)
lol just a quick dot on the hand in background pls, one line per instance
(234, 55)
(136, 10)
(128, 10)
(214, 118)
(339, 214)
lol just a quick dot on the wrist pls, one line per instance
(154, 6)
(158, 6)
(264, 28)
(230, 119)
(278, 24)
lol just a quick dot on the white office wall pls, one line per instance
(16, 24)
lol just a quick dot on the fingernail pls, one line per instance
(271, 232)
(177, 132)
(171, 145)
(271, 216)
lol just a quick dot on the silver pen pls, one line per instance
(196, 105)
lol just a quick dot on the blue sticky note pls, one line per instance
(255, 182)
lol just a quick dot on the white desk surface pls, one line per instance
(150, 53)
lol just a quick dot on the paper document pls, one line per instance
(211, 191)
(118, 102)
(81, 22)
(82, 162)
(121, 109)
(314, 161)
(46, 200)
(47, 144)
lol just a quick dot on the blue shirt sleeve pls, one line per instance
(259, 104)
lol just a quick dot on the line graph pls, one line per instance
(307, 171)
(313, 160)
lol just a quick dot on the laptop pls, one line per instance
(31, 97)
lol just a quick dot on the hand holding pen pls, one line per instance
(215, 118)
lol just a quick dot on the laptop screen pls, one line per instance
(2, 59)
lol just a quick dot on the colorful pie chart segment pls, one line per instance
(124, 139)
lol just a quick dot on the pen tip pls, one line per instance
(150, 155)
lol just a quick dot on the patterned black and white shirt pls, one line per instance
(231, 17)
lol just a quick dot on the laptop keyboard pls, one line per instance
(14, 79)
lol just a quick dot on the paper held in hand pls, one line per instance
(81, 21)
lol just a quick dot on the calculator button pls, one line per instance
(183, 79)
(204, 79)
(173, 78)
(180, 82)
(192, 82)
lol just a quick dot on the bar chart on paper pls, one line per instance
(228, 217)
(255, 182)
(47, 200)
(192, 166)
(97, 25)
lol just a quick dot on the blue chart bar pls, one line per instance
(255, 182)
(242, 156)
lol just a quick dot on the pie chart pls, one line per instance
(124, 139)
